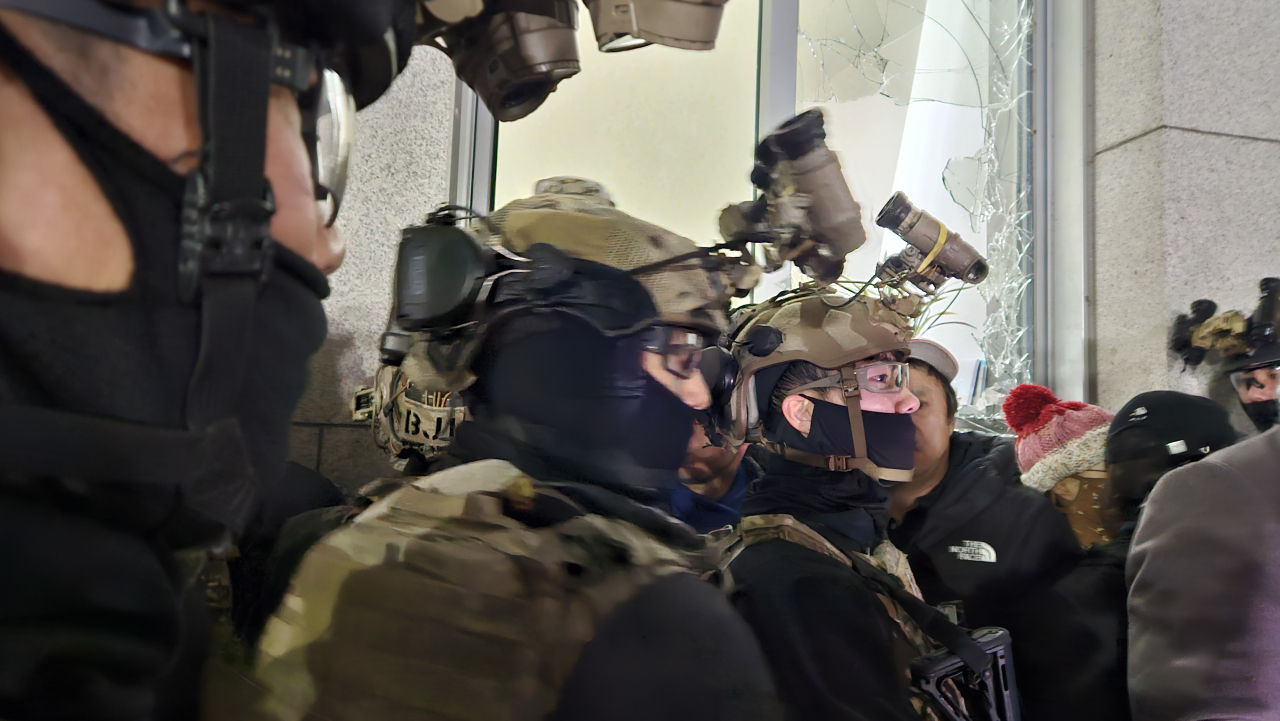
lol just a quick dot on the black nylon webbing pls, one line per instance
(233, 72)
(226, 331)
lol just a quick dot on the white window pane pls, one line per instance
(929, 97)
(671, 133)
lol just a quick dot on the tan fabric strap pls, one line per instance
(839, 464)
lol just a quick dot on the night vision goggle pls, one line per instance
(513, 53)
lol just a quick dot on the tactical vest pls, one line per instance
(886, 557)
(435, 604)
(913, 642)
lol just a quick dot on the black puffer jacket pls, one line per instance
(834, 651)
(983, 538)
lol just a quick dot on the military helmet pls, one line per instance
(579, 218)
(829, 331)
(411, 407)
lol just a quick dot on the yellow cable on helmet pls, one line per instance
(937, 248)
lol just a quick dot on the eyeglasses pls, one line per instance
(680, 348)
(1262, 378)
(875, 377)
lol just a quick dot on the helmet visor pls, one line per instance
(629, 24)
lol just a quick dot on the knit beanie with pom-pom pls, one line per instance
(1056, 438)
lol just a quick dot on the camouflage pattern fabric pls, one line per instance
(578, 217)
(433, 604)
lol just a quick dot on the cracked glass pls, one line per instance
(931, 97)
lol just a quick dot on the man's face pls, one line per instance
(798, 409)
(706, 461)
(1257, 385)
(53, 209)
(933, 428)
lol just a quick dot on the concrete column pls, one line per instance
(1186, 173)
(399, 173)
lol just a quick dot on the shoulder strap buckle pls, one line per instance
(231, 238)
(842, 464)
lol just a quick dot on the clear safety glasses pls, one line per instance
(873, 377)
(680, 348)
(1264, 378)
(335, 133)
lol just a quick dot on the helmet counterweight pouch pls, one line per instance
(439, 272)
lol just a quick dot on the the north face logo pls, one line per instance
(1138, 414)
(974, 551)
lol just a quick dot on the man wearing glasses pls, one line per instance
(825, 389)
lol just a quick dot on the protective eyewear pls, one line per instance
(335, 132)
(680, 348)
(876, 377)
(1262, 377)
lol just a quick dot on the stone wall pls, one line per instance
(1187, 177)
(399, 173)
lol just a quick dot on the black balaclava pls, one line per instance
(129, 355)
(1264, 414)
(557, 371)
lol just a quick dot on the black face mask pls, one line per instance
(129, 356)
(891, 437)
(591, 389)
(1264, 414)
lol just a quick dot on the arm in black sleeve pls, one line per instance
(677, 651)
(835, 652)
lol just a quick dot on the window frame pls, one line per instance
(1058, 303)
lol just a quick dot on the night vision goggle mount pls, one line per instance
(1244, 341)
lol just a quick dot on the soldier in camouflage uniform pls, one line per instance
(823, 387)
(542, 578)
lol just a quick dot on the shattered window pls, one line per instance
(930, 97)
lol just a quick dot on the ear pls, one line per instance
(798, 411)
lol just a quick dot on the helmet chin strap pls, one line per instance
(847, 381)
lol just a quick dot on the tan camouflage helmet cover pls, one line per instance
(828, 331)
(578, 217)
